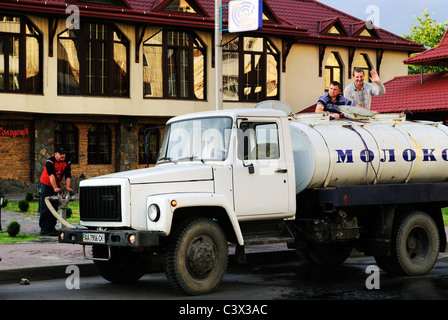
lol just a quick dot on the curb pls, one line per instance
(44, 272)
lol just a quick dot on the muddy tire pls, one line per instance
(414, 245)
(197, 257)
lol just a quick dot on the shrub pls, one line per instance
(13, 229)
(24, 205)
(29, 196)
(68, 213)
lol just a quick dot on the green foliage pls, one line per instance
(13, 229)
(429, 33)
(29, 196)
(68, 213)
(24, 205)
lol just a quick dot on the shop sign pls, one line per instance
(13, 130)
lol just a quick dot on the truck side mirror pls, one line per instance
(246, 155)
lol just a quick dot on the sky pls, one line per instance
(395, 16)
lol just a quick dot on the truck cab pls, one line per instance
(228, 171)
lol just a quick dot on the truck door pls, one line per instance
(260, 177)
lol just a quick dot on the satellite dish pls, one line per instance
(276, 105)
(353, 112)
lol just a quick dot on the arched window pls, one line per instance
(250, 69)
(66, 135)
(174, 65)
(21, 56)
(154, 144)
(333, 70)
(99, 150)
(93, 60)
(363, 62)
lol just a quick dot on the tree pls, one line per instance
(429, 33)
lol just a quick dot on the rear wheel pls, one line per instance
(414, 245)
(197, 257)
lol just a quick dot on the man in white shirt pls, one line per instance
(361, 92)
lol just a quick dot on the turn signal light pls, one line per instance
(173, 203)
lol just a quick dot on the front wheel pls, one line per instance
(197, 257)
(124, 265)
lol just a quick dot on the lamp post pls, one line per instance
(2, 198)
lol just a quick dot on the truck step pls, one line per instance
(266, 232)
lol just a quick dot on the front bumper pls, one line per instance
(115, 238)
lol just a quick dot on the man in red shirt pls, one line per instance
(56, 167)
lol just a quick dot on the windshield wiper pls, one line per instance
(190, 158)
(164, 159)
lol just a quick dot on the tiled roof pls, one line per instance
(437, 56)
(303, 19)
(407, 93)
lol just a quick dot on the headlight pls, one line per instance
(153, 212)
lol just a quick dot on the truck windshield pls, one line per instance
(200, 139)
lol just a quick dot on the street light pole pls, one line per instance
(218, 56)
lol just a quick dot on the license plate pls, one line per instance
(94, 237)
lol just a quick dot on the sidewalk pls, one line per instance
(40, 259)
(45, 258)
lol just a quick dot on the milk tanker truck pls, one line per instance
(376, 183)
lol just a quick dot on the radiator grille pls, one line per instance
(100, 203)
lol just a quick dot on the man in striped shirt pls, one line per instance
(331, 101)
(361, 92)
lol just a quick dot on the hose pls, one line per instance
(56, 215)
(368, 153)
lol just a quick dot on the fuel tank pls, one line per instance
(381, 150)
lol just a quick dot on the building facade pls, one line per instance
(94, 76)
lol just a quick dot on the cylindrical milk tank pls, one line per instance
(340, 153)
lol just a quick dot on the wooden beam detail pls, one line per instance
(139, 34)
(52, 25)
(321, 58)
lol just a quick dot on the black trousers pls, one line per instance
(47, 221)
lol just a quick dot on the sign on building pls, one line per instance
(245, 15)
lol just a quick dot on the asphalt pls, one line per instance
(45, 258)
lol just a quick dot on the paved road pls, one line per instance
(267, 281)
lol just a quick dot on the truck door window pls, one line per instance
(258, 141)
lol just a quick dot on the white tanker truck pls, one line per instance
(376, 183)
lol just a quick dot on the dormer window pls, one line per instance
(332, 27)
(180, 6)
(333, 30)
(365, 33)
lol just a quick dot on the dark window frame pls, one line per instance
(98, 134)
(85, 42)
(194, 43)
(269, 49)
(66, 135)
(25, 86)
(366, 70)
(332, 68)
